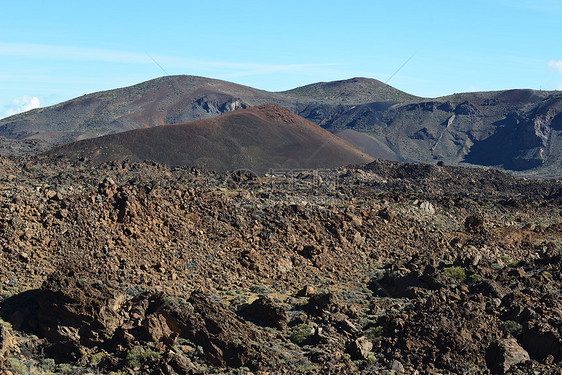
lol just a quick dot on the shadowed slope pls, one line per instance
(368, 144)
(259, 138)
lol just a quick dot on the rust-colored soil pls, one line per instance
(259, 139)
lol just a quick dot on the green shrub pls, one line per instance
(17, 366)
(96, 358)
(455, 272)
(512, 327)
(140, 355)
(260, 289)
(374, 332)
(300, 333)
(65, 368)
(48, 364)
(475, 277)
(178, 304)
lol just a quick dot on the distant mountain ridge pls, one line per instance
(172, 100)
(518, 130)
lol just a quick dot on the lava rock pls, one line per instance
(473, 222)
(265, 312)
(362, 347)
(7, 343)
(503, 354)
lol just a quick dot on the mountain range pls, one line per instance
(516, 130)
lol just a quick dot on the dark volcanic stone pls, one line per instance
(266, 312)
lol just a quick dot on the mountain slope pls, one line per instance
(367, 144)
(259, 139)
(166, 100)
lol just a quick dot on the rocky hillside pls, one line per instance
(257, 139)
(517, 130)
(386, 268)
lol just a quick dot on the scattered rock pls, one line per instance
(7, 343)
(163, 265)
(309, 251)
(358, 239)
(473, 222)
(387, 214)
(397, 367)
(362, 347)
(476, 259)
(320, 303)
(307, 291)
(503, 354)
(107, 187)
(427, 208)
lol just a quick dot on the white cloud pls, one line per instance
(23, 104)
(555, 65)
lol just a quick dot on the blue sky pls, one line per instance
(51, 51)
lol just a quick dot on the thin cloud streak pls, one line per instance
(69, 53)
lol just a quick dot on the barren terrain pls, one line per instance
(384, 268)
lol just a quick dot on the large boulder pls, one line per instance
(266, 312)
(502, 354)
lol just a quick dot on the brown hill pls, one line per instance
(258, 138)
(165, 100)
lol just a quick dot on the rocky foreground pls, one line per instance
(385, 268)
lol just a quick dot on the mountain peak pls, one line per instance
(357, 90)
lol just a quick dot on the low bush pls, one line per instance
(455, 272)
(300, 333)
